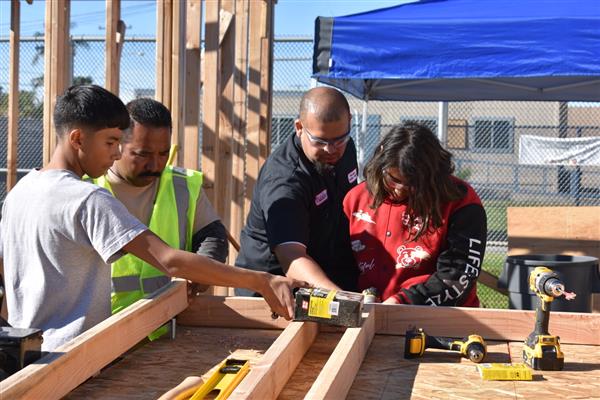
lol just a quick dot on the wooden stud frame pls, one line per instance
(237, 212)
(336, 377)
(56, 375)
(258, 119)
(57, 66)
(13, 95)
(491, 324)
(191, 117)
(269, 376)
(114, 40)
(211, 99)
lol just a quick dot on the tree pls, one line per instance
(29, 105)
(38, 82)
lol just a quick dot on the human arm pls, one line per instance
(276, 290)
(209, 234)
(457, 267)
(298, 265)
(286, 212)
(211, 241)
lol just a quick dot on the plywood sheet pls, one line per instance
(385, 374)
(155, 367)
(311, 365)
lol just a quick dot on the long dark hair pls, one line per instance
(427, 168)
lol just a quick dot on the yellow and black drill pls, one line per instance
(542, 350)
(416, 341)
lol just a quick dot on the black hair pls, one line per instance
(91, 107)
(147, 112)
(427, 167)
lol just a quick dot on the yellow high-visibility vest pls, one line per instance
(172, 220)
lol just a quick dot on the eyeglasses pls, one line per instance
(393, 182)
(322, 143)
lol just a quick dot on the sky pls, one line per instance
(292, 17)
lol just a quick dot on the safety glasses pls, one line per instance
(322, 143)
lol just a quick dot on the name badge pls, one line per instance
(352, 176)
(321, 197)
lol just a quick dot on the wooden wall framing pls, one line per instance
(115, 35)
(55, 375)
(58, 374)
(235, 94)
(13, 94)
(57, 66)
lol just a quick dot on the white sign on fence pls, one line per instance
(542, 150)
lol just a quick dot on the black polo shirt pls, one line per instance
(292, 202)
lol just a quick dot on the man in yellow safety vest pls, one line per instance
(167, 199)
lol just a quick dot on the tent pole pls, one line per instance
(362, 135)
(442, 129)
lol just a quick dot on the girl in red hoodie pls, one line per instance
(418, 233)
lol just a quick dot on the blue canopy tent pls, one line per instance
(461, 50)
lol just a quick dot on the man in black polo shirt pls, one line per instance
(296, 225)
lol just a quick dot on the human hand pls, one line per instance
(391, 300)
(195, 289)
(277, 292)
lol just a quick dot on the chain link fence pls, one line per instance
(483, 136)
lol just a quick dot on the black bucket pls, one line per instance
(580, 274)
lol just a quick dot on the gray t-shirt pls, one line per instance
(58, 235)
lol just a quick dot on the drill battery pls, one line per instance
(542, 352)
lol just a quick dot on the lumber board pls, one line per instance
(211, 99)
(566, 223)
(223, 166)
(111, 58)
(46, 148)
(164, 42)
(56, 65)
(230, 312)
(492, 324)
(155, 368)
(337, 375)
(177, 82)
(56, 374)
(13, 95)
(490, 281)
(239, 127)
(193, 83)
(260, 50)
(268, 377)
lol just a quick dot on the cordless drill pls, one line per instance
(416, 341)
(542, 350)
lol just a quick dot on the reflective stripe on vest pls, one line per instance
(182, 199)
(176, 199)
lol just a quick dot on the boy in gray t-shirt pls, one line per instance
(60, 244)
(58, 234)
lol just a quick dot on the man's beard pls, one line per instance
(323, 168)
